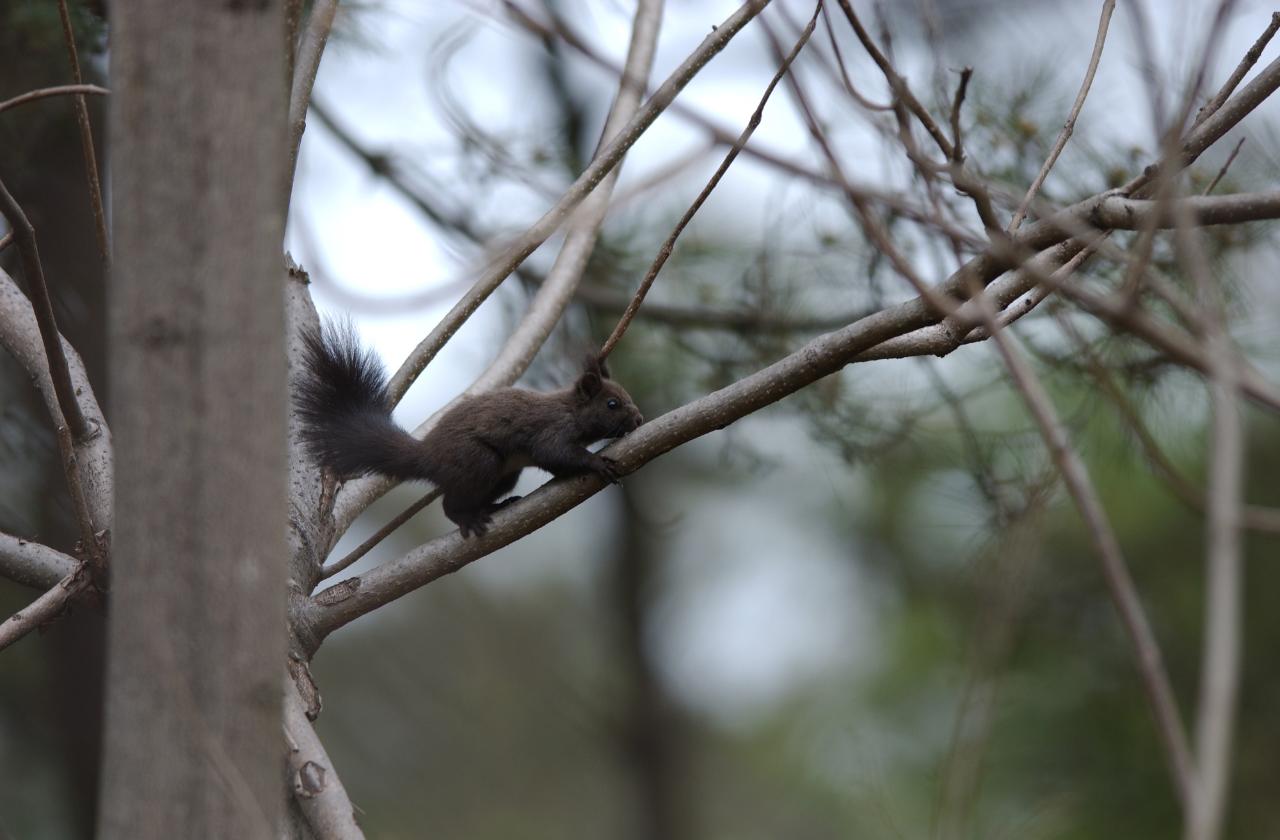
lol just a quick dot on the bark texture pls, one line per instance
(197, 364)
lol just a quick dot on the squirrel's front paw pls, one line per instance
(607, 468)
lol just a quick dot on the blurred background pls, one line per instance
(868, 611)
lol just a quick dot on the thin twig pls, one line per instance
(502, 266)
(1253, 517)
(1250, 58)
(874, 230)
(565, 276)
(25, 235)
(1231, 158)
(1069, 126)
(58, 90)
(1124, 594)
(356, 495)
(844, 73)
(86, 138)
(381, 534)
(1210, 130)
(310, 51)
(665, 251)
(1224, 602)
(45, 608)
(897, 84)
(87, 464)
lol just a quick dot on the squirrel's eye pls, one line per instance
(612, 403)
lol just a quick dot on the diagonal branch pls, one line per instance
(565, 276)
(25, 235)
(86, 137)
(665, 251)
(1155, 679)
(87, 464)
(316, 787)
(1250, 58)
(1224, 595)
(310, 51)
(1070, 125)
(47, 607)
(897, 84)
(515, 253)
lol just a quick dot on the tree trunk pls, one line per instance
(197, 630)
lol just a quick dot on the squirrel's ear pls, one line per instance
(594, 363)
(589, 384)
(594, 371)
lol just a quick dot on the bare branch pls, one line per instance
(25, 235)
(310, 51)
(565, 275)
(1213, 127)
(46, 608)
(1250, 58)
(379, 535)
(87, 462)
(665, 251)
(897, 84)
(1070, 125)
(1231, 158)
(32, 563)
(1124, 594)
(59, 90)
(957, 136)
(86, 137)
(1224, 601)
(502, 266)
(316, 786)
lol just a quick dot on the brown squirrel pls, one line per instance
(476, 451)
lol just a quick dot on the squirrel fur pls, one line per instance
(476, 451)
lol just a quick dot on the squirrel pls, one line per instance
(476, 451)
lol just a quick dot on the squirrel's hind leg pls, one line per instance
(472, 507)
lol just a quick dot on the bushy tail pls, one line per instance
(341, 397)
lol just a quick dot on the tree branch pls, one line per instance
(1070, 125)
(1120, 585)
(87, 464)
(665, 251)
(557, 290)
(86, 138)
(25, 235)
(32, 563)
(1224, 601)
(316, 786)
(46, 608)
(501, 267)
(310, 51)
(58, 90)
(356, 495)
